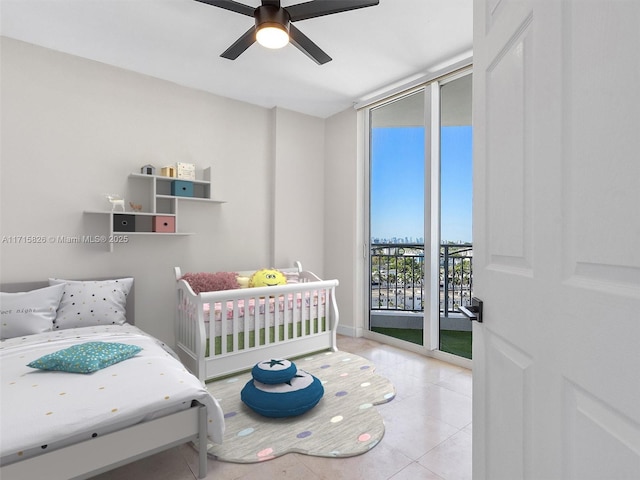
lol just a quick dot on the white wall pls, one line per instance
(343, 235)
(74, 129)
(299, 193)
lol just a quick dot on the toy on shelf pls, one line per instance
(135, 207)
(168, 171)
(186, 171)
(148, 170)
(116, 201)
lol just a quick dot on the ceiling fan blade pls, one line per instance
(231, 5)
(273, 3)
(240, 45)
(303, 11)
(306, 46)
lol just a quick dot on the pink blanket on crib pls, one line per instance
(281, 302)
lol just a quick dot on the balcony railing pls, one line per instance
(397, 277)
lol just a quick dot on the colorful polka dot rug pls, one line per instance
(344, 423)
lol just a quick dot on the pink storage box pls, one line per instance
(162, 224)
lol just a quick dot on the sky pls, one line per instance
(397, 183)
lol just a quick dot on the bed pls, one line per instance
(223, 332)
(64, 424)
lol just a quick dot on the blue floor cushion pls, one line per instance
(274, 371)
(295, 397)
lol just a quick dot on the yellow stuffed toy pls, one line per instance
(267, 277)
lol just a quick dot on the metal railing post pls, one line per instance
(446, 280)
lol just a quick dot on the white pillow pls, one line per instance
(90, 303)
(26, 313)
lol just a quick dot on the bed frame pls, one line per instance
(97, 455)
(104, 453)
(291, 336)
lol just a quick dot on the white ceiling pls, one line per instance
(181, 41)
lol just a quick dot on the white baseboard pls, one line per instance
(350, 331)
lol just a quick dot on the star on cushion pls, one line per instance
(295, 376)
(273, 363)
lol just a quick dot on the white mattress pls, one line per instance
(45, 410)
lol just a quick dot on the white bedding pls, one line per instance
(45, 410)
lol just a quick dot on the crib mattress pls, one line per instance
(46, 410)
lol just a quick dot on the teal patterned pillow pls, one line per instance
(86, 357)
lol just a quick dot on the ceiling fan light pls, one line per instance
(272, 36)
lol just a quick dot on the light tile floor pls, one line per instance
(427, 436)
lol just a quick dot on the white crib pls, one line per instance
(282, 321)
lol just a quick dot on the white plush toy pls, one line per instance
(116, 201)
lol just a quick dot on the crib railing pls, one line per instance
(257, 317)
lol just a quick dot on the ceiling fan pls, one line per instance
(274, 28)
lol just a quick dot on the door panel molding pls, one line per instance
(619, 280)
(589, 166)
(509, 184)
(513, 386)
(606, 437)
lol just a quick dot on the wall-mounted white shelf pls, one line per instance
(163, 208)
(161, 199)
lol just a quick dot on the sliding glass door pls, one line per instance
(419, 268)
(397, 193)
(456, 246)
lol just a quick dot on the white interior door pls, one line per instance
(557, 239)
